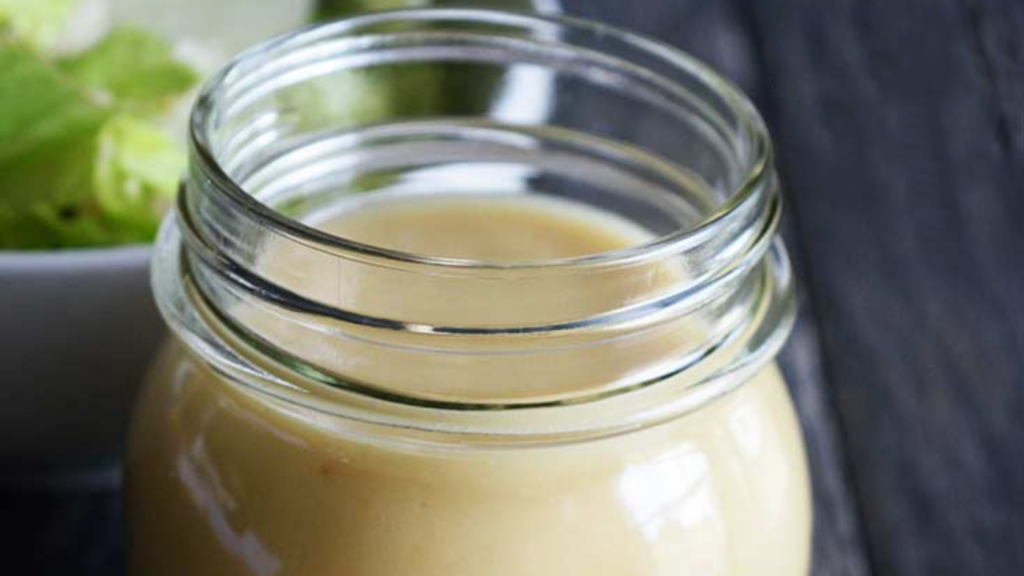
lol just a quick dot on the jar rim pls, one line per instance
(755, 171)
(736, 237)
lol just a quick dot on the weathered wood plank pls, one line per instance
(839, 549)
(711, 30)
(901, 131)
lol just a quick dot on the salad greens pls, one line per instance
(86, 156)
(85, 159)
(36, 22)
(134, 67)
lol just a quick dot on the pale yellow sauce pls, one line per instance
(224, 481)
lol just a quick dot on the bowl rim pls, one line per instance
(72, 258)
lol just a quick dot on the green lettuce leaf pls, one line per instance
(37, 23)
(83, 161)
(46, 126)
(136, 172)
(133, 67)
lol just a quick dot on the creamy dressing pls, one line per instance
(225, 481)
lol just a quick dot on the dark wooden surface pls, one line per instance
(900, 132)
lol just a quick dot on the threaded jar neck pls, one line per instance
(420, 102)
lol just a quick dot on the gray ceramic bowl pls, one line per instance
(77, 330)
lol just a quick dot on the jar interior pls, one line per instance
(431, 103)
(508, 105)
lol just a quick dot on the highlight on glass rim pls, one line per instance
(510, 287)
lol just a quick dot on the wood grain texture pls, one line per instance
(901, 131)
(711, 30)
(839, 548)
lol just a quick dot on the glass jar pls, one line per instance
(335, 407)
